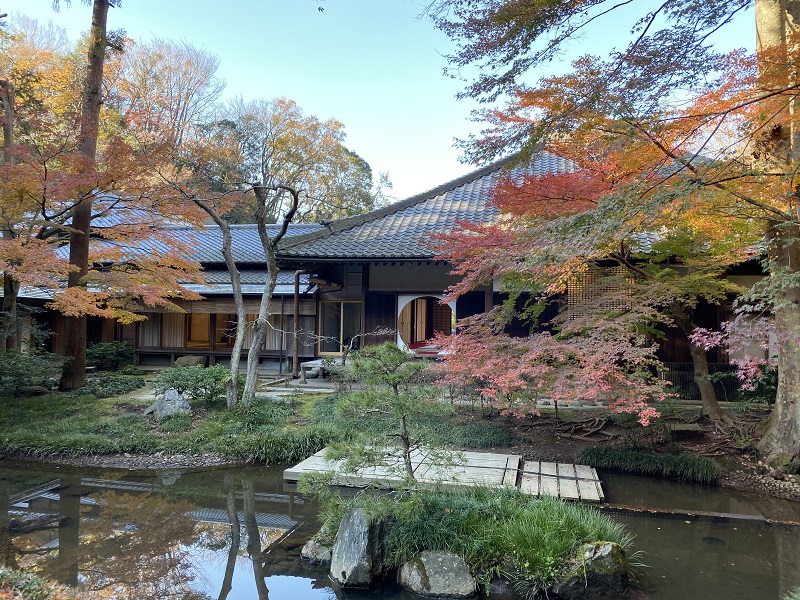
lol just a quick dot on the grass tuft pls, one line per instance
(682, 466)
(529, 540)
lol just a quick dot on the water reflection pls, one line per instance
(191, 536)
(237, 534)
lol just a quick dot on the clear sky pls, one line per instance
(372, 64)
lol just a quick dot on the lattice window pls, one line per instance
(610, 284)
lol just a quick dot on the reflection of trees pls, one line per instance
(148, 560)
(8, 554)
(786, 538)
(233, 550)
(254, 539)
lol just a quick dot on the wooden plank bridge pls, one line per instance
(567, 481)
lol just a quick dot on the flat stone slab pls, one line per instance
(567, 481)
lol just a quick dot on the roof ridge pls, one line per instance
(341, 225)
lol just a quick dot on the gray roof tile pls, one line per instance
(401, 230)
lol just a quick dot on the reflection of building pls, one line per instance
(129, 530)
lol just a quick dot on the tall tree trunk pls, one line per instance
(708, 397)
(8, 308)
(781, 441)
(74, 375)
(776, 21)
(9, 325)
(269, 245)
(232, 385)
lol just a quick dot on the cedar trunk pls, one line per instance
(781, 442)
(74, 375)
(8, 310)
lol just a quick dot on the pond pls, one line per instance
(169, 535)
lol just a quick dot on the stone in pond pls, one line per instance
(438, 575)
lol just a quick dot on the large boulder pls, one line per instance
(190, 361)
(170, 402)
(357, 559)
(438, 575)
(599, 572)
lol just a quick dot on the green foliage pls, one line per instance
(196, 382)
(132, 370)
(793, 595)
(386, 365)
(263, 413)
(108, 385)
(18, 370)
(285, 446)
(59, 425)
(175, 423)
(25, 585)
(109, 356)
(530, 540)
(682, 466)
(443, 427)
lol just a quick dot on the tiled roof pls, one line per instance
(205, 244)
(246, 246)
(400, 230)
(218, 282)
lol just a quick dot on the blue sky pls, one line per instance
(372, 64)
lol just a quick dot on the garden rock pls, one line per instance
(357, 559)
(190, 361)
(599, 572)
(170, 402)
(316, 553)
(438, 575)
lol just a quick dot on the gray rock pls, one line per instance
(169, 403)
(190, 361)
(438, 575)
(599, 572)
(357, 559)
(316, 553)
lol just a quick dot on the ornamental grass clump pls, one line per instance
(498, 531)
(682, 466)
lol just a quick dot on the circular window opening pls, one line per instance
(421, 319)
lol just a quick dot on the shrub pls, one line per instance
(28, 586)
(263, 413)
(132, 370)
(199, 383)
(108, 385)
(108, 356)
(530, 539)
(681, 466)
(19, 370)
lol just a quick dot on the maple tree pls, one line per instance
(45, 178)
(668, 137)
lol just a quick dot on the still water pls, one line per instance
(236, 534)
